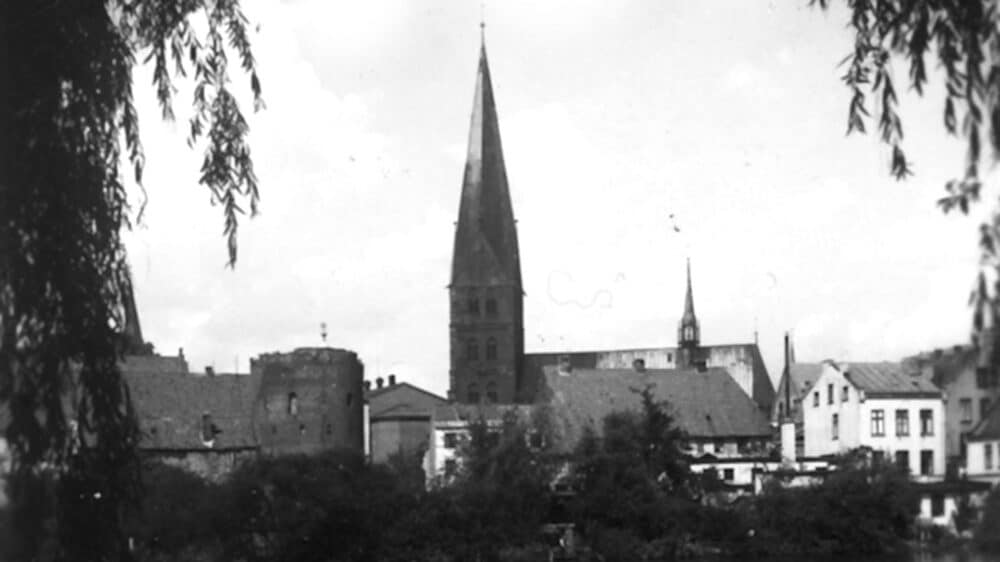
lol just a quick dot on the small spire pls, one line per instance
(482, 23)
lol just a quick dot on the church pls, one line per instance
(488, 361)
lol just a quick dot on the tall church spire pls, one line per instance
(486, 249)
(487, 302)
(688, 332)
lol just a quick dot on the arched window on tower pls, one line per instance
(472, 349)
(491, 349)
(473, 306)
(474, 393)
(688, 333)
(293, 404)
(491, 307)
(491, 392)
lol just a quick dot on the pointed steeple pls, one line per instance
(486, 249)
(688, 333)
(486, 331)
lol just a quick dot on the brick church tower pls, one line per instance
(487, 301)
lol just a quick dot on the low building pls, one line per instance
(983, 461)
(450, 429)
(899, 415)
(968, 389)
(399, 419)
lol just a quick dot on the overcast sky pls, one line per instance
(614, 116)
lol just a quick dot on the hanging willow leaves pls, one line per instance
(71, 134)
(962, 37)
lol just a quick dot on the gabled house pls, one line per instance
(898, 414)
(399, 419)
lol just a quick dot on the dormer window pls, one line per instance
(491, 349)
(208, 430)
(491, 307)
(293, 404)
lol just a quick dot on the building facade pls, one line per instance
(399, 420)
(969, 391)
(899, 415)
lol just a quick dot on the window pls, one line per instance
(350, 398)
(988, 456)
(535, 439)
(878, 458)
(491, 307)
(491, 392)
(835, 427)
(984, 406)
(450, 440)
(926, 422)
(473, 306)
(207, 429)
(450, 468)
(302, 429)
(937, 505)
(829, 394)
(491, 349)
(902, 423)
(816, 398)
(329, 429)
(878, 423)
(845, 393)
(985, 378)
(926, 462)
(727, 474)
(903, 460)
(965, 405)
(670, 358)
(474, 393)
(293, 404)
(472, 349)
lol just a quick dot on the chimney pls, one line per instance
(639, 365)
(180, 352)
(368, 385)
(565, 367)
(392, 380)
(788, 423)
(210, 371)
(378, 382)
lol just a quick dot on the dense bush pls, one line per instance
(858, 509)
(987, 534)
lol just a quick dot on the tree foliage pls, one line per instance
(73, 130)
(962, 37)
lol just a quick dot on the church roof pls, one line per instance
(486, 249)
(705, 404)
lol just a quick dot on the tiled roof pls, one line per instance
(171, 405)
(945, 365)
(453, 412)
(888, 379)
(705, 404)
(989, 426)
(400, 399)
(154, 364)
(804, 376)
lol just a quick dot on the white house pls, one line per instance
(898, 414)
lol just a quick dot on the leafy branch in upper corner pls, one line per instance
(963, 37)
